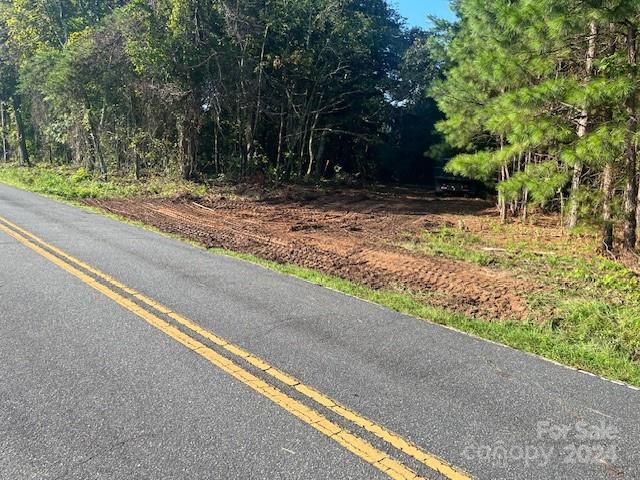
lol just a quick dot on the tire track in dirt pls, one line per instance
(338, 239)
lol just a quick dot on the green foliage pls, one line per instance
(552, 81)
(81, 175)
(542, 182)
(291, 89)
(479, 166)
(70, 184)
(606, 143)
(55, 182)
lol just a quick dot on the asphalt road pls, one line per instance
(97, 381)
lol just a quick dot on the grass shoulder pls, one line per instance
(76, 183)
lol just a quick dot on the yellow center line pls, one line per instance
(431, 461)
(346, 439)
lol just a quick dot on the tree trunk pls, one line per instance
(578, 168)
(320, 156)
(187, 145)
(311, 152)
(4, 133)
(216, 146)
(630, 198)
(22, 142)
(136, 166)
(638, 200)
(631, 188)
(258, 112)
(525, 206)
(607, 216)
(85, 151)
(502, 202)
(583, 124)
(97, 149)
(118, 152)
(525, 193)
(280, 138)
(608, 179)
(183, 147)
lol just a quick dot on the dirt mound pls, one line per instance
(348, 234)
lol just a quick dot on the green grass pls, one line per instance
(591, 304)
(452, 243)
(591, 310)
(75, 183)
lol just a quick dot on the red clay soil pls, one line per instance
(348, 233)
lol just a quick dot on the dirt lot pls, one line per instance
(354, 234)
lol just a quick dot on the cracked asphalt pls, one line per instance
(88, 390)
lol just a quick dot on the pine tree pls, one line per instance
(559, 106)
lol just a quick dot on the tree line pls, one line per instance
(300, 89)
(541, 98)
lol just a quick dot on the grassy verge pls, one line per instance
(586, 299)
(591, 310)
(75, 183)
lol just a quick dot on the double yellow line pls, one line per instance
(143, 307)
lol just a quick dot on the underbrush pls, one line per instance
(76, 183)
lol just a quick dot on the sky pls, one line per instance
(416, 11)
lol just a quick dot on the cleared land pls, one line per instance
(354, 234)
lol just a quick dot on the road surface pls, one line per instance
(125, 354)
